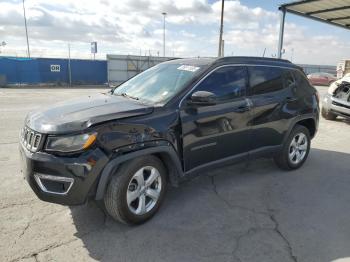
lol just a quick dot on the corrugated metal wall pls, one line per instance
(38, 71)
(117, 69)
(122, 67)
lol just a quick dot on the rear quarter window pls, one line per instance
(288, 78)
(303, 85)
(265, 79)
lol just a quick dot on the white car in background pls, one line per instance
(337, 101)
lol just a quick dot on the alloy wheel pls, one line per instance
(144, 190)
(298, 148)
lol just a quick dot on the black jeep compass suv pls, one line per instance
(174, 120)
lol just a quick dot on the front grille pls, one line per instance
(30, 139)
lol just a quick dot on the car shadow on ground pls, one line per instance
(223, 214)
(342, 120)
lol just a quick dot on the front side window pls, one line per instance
(160, 83)
(265, 79)
(225, 83)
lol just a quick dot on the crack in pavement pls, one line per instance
(15, 204)
(25, 228)
(8, 143)
(230, 205)
(36, 253)
(254, 230)
(52, 246)
(273, 218)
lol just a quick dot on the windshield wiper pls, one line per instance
(129, 96)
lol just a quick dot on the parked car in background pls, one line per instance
(322, 79)
(337, 100)
(174, 120)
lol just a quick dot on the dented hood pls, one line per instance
(79, 114)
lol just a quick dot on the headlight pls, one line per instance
(70, 143)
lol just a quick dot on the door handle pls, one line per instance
(243, 108)
(291, 99)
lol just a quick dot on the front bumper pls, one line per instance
(336, 106)
(63, 180)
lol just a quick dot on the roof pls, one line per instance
(200, 61)
(335, 12)
(233, 60)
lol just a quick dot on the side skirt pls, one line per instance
(268, 151)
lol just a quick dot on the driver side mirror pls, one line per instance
(203, 98)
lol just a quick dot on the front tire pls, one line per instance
(136, 191)
(295, 150)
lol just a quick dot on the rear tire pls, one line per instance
(328, 115)
(295, 150)
(136, 190)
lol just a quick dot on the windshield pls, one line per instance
(158, 84)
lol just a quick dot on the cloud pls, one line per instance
(128, 26)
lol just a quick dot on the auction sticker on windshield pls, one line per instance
(188, 68)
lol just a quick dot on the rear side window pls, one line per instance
(289, 80)
(301, 78)
(226, 83)
(265, 79)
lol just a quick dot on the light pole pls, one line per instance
(25, 25)
(164, 14)
(221, 29)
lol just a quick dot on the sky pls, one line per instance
(135, 27)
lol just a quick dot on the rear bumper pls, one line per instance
(63, 180)
(336, 106)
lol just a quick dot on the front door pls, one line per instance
(219, 130)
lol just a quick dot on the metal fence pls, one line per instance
(53, 71)
(309, 69)
(117, 69)
(122, 67)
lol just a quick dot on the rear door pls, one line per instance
(272, 92)
(221, 130)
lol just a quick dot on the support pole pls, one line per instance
(25, 25)
(281, 34)
(69, 67)
(223, 47)
(164, 14)
(221, 28)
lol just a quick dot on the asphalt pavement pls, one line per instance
(248, 212)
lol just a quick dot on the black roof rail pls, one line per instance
(250, 58)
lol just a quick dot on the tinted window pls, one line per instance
(288, 77)
(304, 88)
(301, 78)
(265, 79)
(226, 83)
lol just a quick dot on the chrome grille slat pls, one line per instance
(30, 139)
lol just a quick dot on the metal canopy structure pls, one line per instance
(334, 12)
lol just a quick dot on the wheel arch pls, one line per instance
(166, 154)
(310, 124)
(310, 121)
